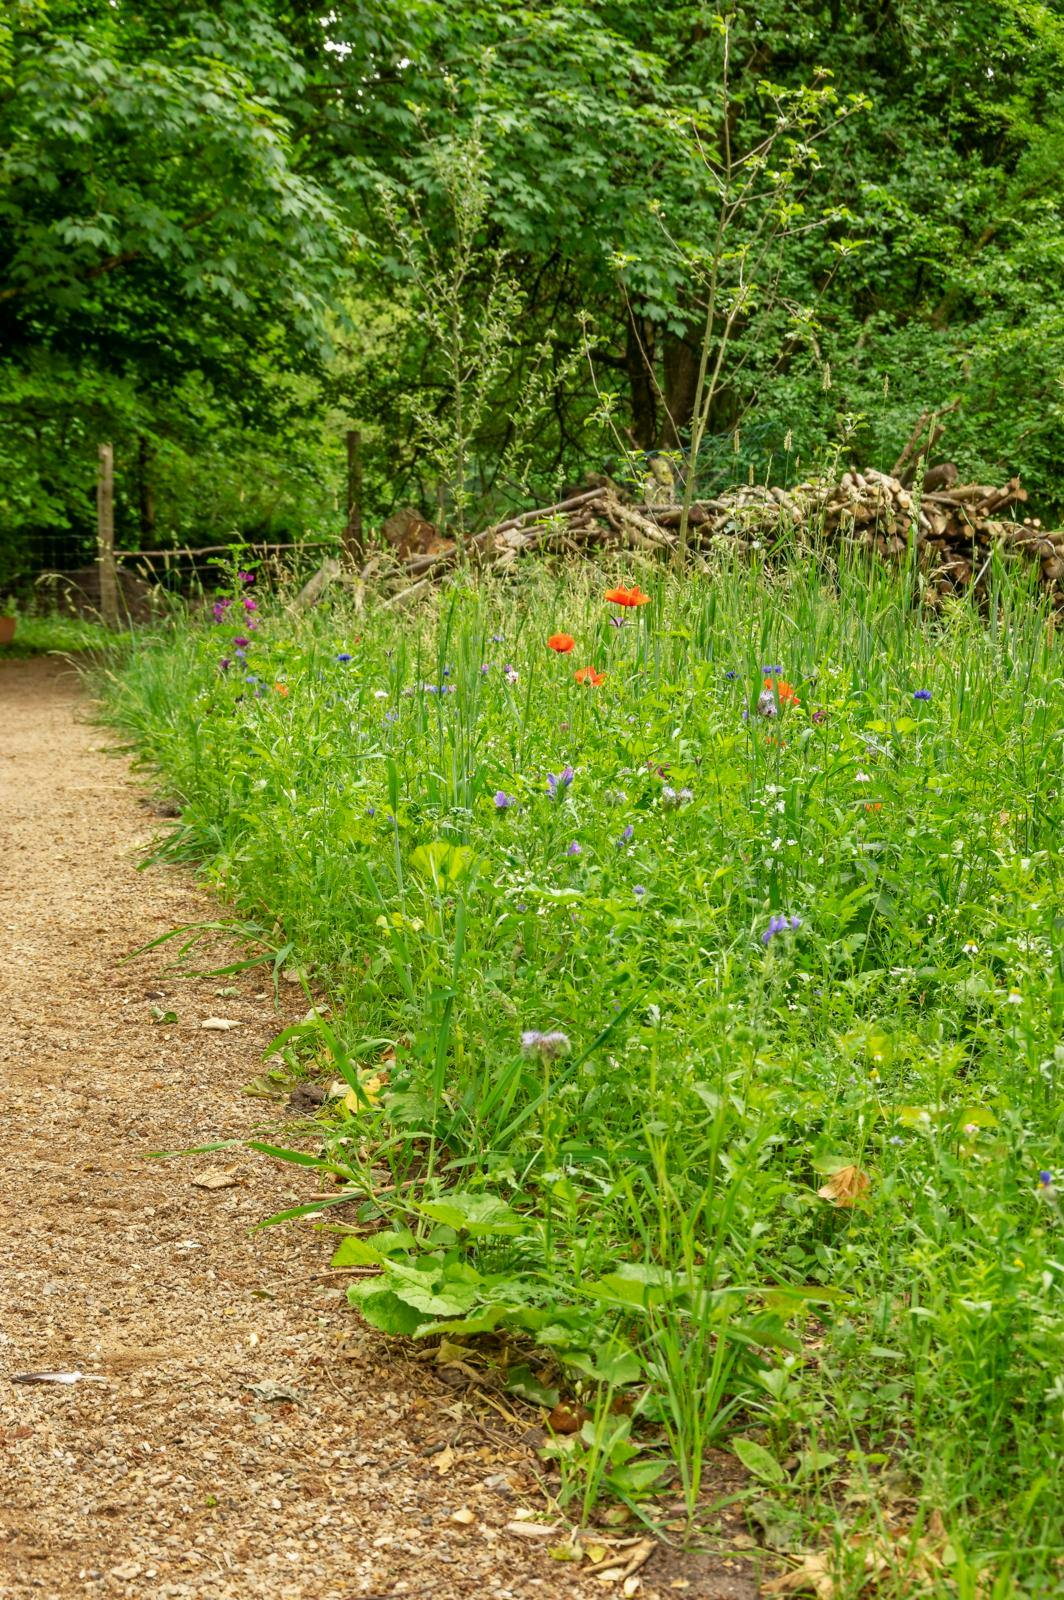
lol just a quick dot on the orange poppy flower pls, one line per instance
(628, 597)
(786, 693)
(873, 805)
(280, 688)
(589, 675)
(562, 642)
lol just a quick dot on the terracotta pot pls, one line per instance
(7, 630)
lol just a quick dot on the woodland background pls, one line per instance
(230, 233)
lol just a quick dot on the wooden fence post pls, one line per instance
(105, 536)
(353, 549)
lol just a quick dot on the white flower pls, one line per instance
(1014, 999)
(971, 948)
(380, 694)
(861, 777)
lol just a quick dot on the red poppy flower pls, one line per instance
(562, 642)
(589, 675)
(785, 692)
(627, 597)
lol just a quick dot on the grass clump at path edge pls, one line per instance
(707, 1017)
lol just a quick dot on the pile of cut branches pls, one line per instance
(952, 531)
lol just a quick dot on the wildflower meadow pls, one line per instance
(688, 967)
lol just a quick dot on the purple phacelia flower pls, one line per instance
(766, 704)
(504, 801)
(627, 834)
(558, 782)
(779, 924)
(573, 849)
(545, 1045)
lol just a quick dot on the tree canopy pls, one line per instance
(226, 233)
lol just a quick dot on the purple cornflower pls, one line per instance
(510, 673)
(249, 604)
(545, 1045)
(573, 849)
(820, 715)
(486, 667)
(241, 642)
(224, 663)
(558, 782)
(616, 622)
(219, 608)
(504, 801)
(921, 694)
(779, 924)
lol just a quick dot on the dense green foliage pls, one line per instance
(211, 219)
(462, 843)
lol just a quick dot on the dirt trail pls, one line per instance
(171, 1478)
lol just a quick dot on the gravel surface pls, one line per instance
(355, 1471)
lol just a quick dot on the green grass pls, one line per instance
(640, 1211)
(44, 635)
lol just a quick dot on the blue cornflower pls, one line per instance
(921, 694)
(639, 891)
(616, 622)
(391, 716)
(731, 674)
(504, 801)
(559, 781)
(371, 811)
(770, 672)
(1045, 1179)
(497, 638)
(344, 656)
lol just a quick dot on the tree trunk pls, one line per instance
(680, 372)
(639, 364)
(144, 492)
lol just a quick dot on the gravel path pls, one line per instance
(171, 1477)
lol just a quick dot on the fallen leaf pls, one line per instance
(565, 1552)
(216, 1178)
(218, 1024)
(293, 975)
(444, 1461)
(159, 1016)
(534, 1530)
(814, 1575)
(269, 1391)
(639, 1554)
(463, 1516)
(844, 1186)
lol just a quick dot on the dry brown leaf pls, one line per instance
(844, 1186)
(444, 1461)
(638, 1556)
(218, 1024)
(216, 1178)
(812, 1577)
(534, 1530)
